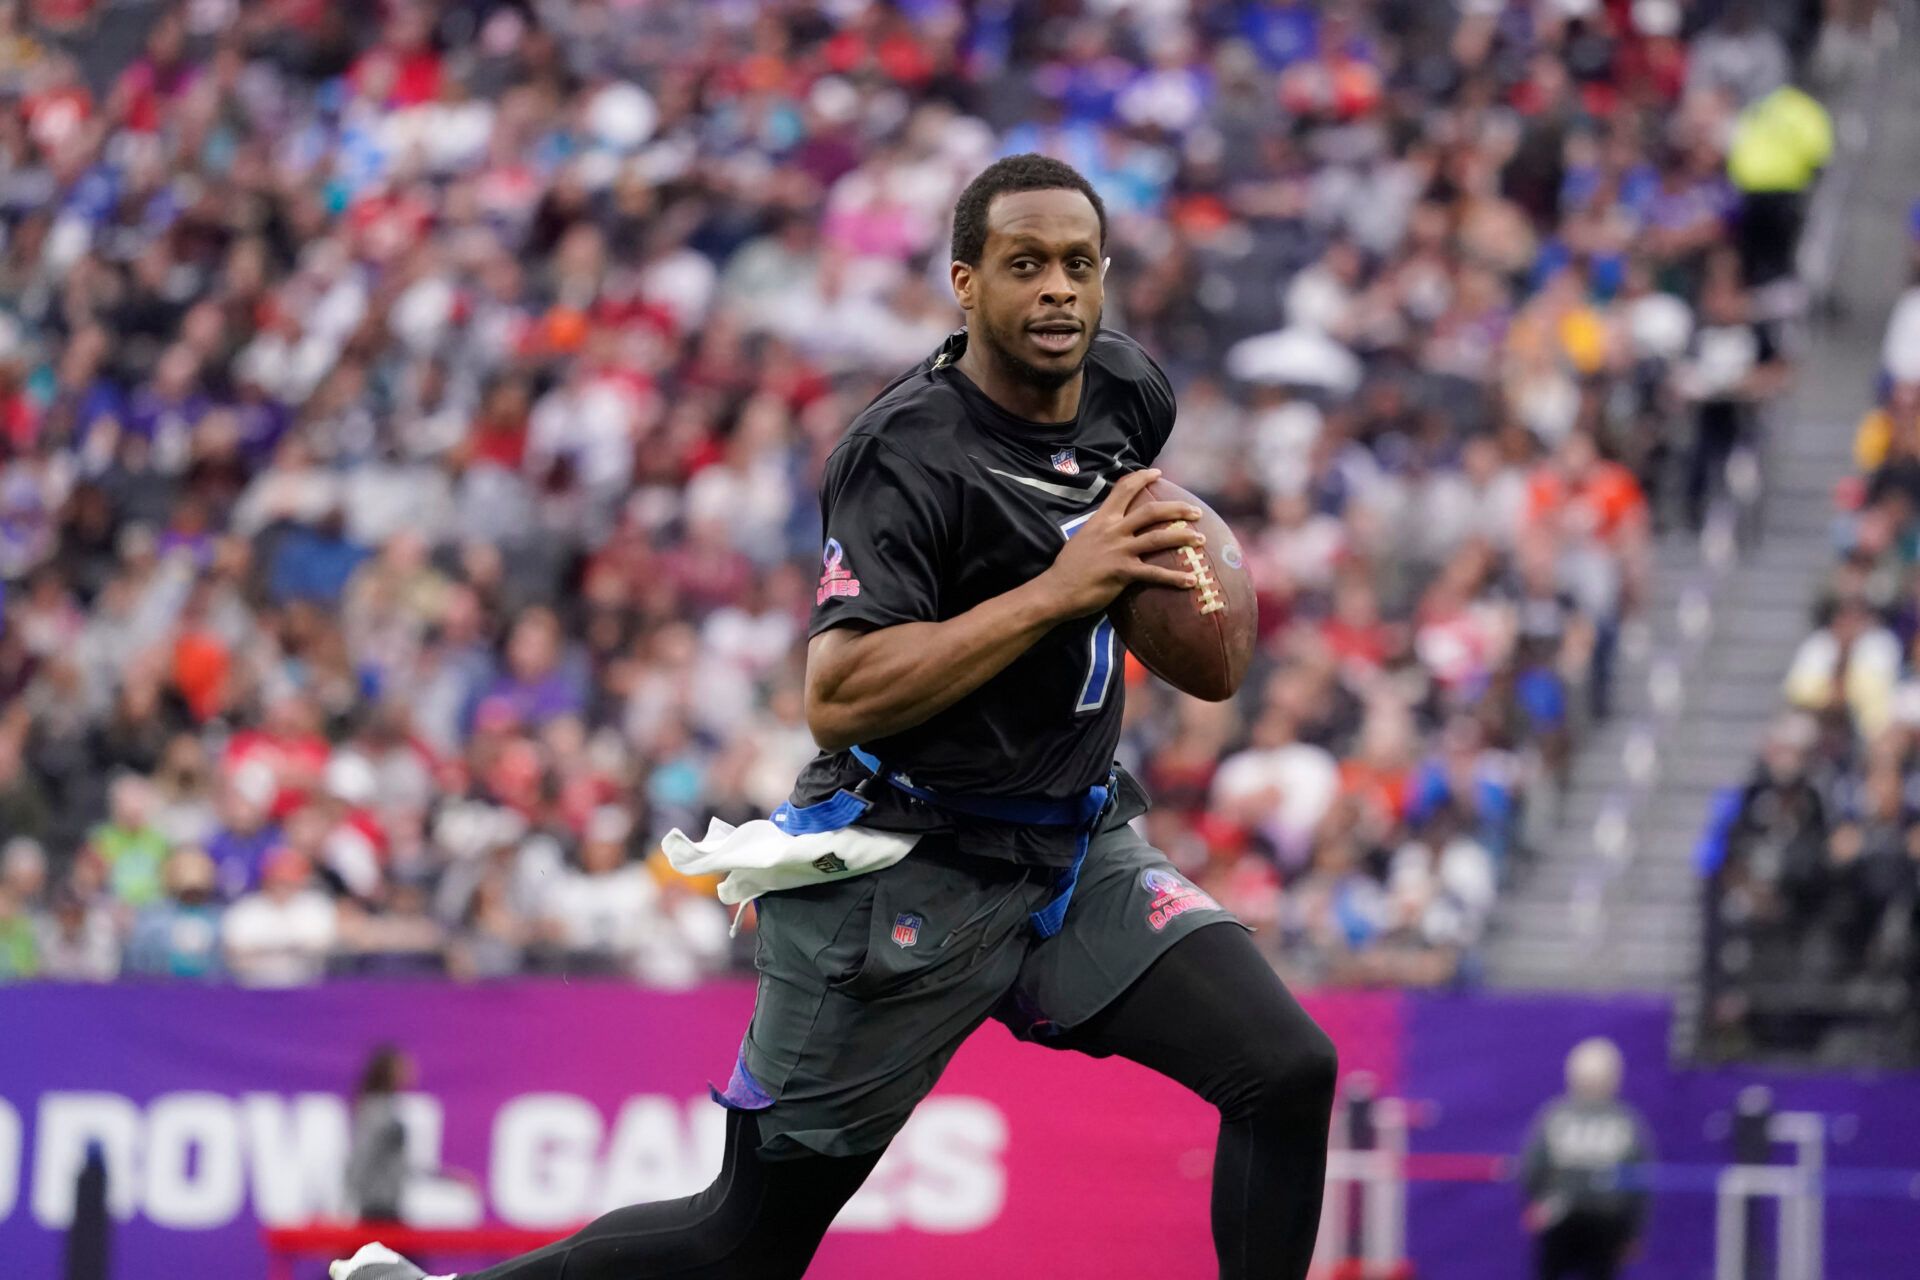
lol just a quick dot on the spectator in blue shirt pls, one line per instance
(313, 562)
(179, 936)
(246, 835)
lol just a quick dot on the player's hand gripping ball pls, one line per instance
(1198, 640)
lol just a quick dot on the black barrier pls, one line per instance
(90, 1237)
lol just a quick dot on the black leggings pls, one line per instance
(1582, 1247)
(1210, 1013)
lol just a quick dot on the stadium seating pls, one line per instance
(408, 439)
(1810, 866)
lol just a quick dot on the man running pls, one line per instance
(965, 688)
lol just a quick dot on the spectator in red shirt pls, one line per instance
(403, 70)
(1594, 511)
(1355, 634)
(500, 429)
(289, 743)
(162, 74)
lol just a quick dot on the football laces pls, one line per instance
(1206, 587)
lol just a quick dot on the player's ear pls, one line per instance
(1104, 264)
(961, 275)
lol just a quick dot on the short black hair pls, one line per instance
(1026, 172)
(382, 1074)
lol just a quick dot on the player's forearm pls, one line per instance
(869, 685)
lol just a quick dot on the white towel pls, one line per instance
(761, 858)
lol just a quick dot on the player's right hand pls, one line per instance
(1107, 554)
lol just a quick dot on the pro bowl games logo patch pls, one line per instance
(1172, 897)
(1065, 462)
(906, 929)
(837, 580)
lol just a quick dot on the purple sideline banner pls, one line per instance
(220, 1109)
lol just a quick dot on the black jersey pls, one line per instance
(938, 499)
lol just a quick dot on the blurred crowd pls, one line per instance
(1814, 898)
(410, 418)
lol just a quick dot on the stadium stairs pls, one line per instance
(1611, 899)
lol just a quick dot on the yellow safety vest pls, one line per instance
(1780, 142)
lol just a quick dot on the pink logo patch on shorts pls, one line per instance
(1172, 897)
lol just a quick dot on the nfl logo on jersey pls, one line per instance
(906, 929)
(1065, 463)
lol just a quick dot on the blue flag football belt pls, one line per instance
(1081, 814)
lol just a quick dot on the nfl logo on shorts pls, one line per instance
(906, 929)
(1065, 463)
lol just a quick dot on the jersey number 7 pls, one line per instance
(1100, 649)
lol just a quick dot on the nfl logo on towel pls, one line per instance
(1065, 463)
(906, 929)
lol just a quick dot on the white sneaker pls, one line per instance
(377, 1262)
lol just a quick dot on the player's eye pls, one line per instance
(1080, 264)
(1024, 264)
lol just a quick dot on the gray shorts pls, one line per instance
(869, 985)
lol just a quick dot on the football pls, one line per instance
(1199, 640)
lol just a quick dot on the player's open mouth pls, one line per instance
(1058, 338)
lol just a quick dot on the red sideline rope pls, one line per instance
(1455, 1166)
(339, 1239)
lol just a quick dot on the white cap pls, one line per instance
(22, 850)
(351, 778)
(834, 99)
(622, 116)
(470, 828)
(1594, 1069)
(609, 824)
(253, 781)
(1906, 705)
(1656, 17)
